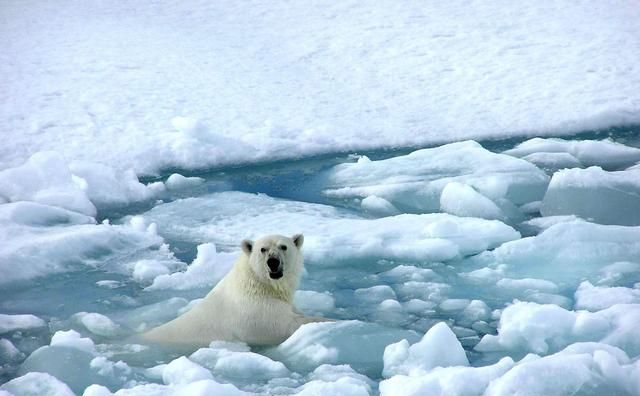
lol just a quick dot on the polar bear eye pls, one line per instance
(283, 247)
(263, 250)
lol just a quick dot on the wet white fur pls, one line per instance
(246, 305)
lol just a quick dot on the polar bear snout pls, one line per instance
(275, 268)
(273, 263)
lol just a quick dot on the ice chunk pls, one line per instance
(546, 328)
(439, 347)
(312, 303)
(527, 284)
(236, 362)
(108, 187)
(454, 304)
(585, 370)
(375, 294)
(414, 182)
(596, 298)
(8, 351)
(184, 371)
(97, 323)
(338, 343)
(604, 153)
(539, 224)
(35, 214)
(462, 200)
(552, 162)
(341, 386)
(205, 387)
(445, 381)
(30, 252)
(72, 339)
(10, 323)
(615, 272)
(177, 182)
(37, 384)
(45, 178)
(207, 269)
(566, 252)
(378, 206)
(594, 194)
(331, 234)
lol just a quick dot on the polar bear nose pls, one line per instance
(273, 264)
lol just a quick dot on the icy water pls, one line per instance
(394, 290)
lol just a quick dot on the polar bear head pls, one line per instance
(276, 258)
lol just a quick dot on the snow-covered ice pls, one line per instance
(561, 153)
(595, 194)
(147, 87)
(461, 178)
(144, 141)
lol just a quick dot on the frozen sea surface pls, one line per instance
(196, 84)
(438, 297)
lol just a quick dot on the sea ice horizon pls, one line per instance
(466, 177)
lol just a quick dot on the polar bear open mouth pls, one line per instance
(275, 274)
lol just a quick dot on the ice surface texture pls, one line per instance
(283, 80)
(460, 178)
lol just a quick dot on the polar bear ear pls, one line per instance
(298, 240)
(247, 246)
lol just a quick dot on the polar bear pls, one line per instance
(253, 303)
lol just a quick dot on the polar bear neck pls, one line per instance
(282, 289)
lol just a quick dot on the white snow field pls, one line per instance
(461, 249)
(196, 84)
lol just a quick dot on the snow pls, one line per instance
(46, 179)
(317, 78)
(72, 339)
(545, 328)
(582, 192)
(37, 384)
(176, 182)
(415, 182)
(594, 371)
(138, 153)
(236, 361)
(455, 380)
(184, 371)
(595, 298)
(439, 347)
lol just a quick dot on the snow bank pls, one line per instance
(432, 73)
(483, 182)
(594, 194)
(576, 153)
(331, 234)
